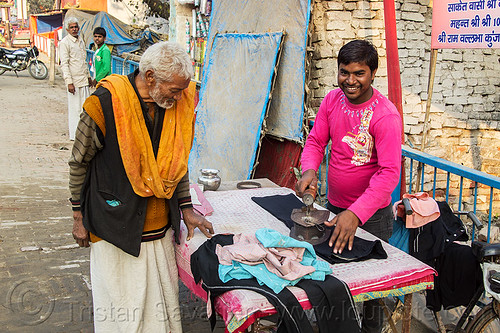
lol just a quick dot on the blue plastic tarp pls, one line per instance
(117, 32)
(234, 99)
(256, 16)
(47, 23)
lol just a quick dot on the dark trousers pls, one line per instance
(380, 225)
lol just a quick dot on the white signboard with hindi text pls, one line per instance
(465, 24)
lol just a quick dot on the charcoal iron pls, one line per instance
(308, 221)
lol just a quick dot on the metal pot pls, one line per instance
(209, 179)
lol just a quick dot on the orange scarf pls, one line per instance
(147, 175)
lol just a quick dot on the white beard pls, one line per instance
(165, 103)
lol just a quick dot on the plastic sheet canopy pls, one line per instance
(256, 16)
(233, 103)
(117, 32)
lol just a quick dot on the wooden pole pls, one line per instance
(430, 88)
(52, 62)
(8, 37)
(407, 314)
(388, 314)
(393, 71)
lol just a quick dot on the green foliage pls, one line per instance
(40, 6)
(160, 8)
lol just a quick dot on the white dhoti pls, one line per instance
(135, 294)
(75, 104)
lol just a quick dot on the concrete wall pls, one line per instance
(179, 13)
(465, 112)
(126, 11)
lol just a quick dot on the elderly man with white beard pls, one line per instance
(129, 182)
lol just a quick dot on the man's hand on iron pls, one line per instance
(193, 221)
(308, 180)
(80, 234)
(71, 88)
(345, 224)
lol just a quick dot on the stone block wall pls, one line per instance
(464, 124)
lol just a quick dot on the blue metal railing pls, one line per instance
(118, 65)
(448, 168)
(439, 166)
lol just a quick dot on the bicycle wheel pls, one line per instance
(486, 320)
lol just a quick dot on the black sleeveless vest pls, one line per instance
(111, 209)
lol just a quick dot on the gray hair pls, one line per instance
(70, 20)
(166, 59)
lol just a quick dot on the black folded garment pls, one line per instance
(362, 249)
(281, 206)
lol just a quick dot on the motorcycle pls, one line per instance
(20, 59)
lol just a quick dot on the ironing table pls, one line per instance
(234, 212)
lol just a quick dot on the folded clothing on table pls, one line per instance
(331, 299)
(200, 203)
(281, 207)
(273, 259)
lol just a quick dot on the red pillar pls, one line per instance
(393, 71)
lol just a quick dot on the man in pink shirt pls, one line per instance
(365, 161)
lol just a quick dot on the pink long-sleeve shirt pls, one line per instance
(365, 159)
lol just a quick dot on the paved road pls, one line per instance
(44, 276)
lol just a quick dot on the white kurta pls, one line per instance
(73, 57)
(75, 71)
(75, 107)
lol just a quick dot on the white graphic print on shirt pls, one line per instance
(362, 142)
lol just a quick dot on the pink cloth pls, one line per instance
(246, 249)
(425, 209)
(365, 160)
(205, 208)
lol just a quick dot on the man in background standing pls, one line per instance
(101, 61)
(75, 72)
